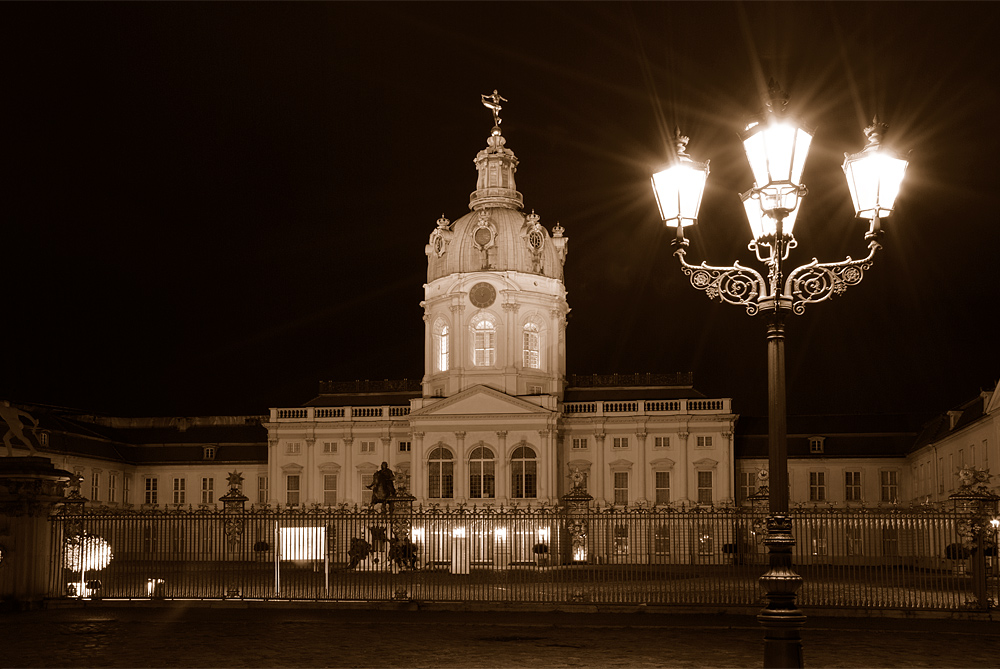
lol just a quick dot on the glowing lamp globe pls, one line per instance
(874, 175)
(679, 186)
(762, 224)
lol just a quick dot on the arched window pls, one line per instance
(532, 359)
(482, 480)
(440, 474)
(442, 346)
(523, 473)
(484, 343)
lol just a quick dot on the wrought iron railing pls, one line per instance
(880, 558)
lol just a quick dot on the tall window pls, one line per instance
(662, 487)
(180, 494)
(621, 539)
(523, 473)
(150, 497)
(262, 490)
(329, 489)
(852, 486)
(532, 358)
(95, 487)
(482, 479)
(208, 491)
(292, 489)
(621, 487)
(112, 487)
(484, 344)
(890, 485)
(661, 540)
(440, 474)
(442, 347)
(748, 484)
(855, 542)
(705, 493)
(817, 486)
(127, 489)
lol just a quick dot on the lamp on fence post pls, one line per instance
(980, 505)
(776, 147)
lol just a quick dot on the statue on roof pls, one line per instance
(492, 102)
(12, 416)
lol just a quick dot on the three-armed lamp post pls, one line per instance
(776, 147)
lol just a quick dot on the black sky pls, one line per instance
(211, 207)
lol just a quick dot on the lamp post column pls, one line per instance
(781, 619)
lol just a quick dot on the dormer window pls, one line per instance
(816, 444)
(208, 452)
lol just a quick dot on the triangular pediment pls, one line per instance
(479, 400)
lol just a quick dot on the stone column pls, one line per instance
(684, 495)
(418, 479)
(725, 470)
(308, 483)
(461, 488)
(349, 473)
(599, 474)
(29, 489)
(640, 492)
(545, 467)
(502, 484)
(272, 473)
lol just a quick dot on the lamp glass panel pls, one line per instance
(757, 155)
(678, 191)
(874, 182)
(802, 142)
(764, 225)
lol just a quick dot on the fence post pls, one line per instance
(233, 512)
(974, 499)
(576, 503)
(29, 489)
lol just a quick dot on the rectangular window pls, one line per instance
(150, 490)
(890, 541)
(748, 485)
(112, 487)
(329, 446)
(661, 442)
(852, 486)
(485, 349)
(953, 470)
(292, 489)
(817, 540)
(621, 487)
(706, 538)
(441, 479)
(329, 489)
(815, 445)
(986, 454)
(705, 492)
(404, 447)
(367, 446)
(95, 487)
(940, 475)
(579, 443)
(293, 448)
(482, 479)
(209, 453)
(890, 485)
(621, 540)
(262, 490)
(620, 442)
(704, 442)
(531, 358)
(662, 487)
(127, 489)
(817, 486)
(208, 491)
(855, 545)
(179, 492)
(523, 479)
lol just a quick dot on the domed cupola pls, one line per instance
(495, 304)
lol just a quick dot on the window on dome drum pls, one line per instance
(440, 474)
(150, 497)
(330, 446)
(662, 487)
(523, 473)
(817, 486)
(890, 485)
(661, 442)
(704, 442)
(262, 490)
(292, 489)
(442, 347)
(579, 443)
(404, 447)
(484, 343)
(620, 442)
(621, 487)
(705, 487)
(329, 489)
(179, 492)
(208, 491)
(532, 358)
(852, 486)
(482, 474)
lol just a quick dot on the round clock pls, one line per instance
(482, 295)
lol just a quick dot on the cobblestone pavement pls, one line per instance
(179, 634)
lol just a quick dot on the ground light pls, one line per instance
(776, 146)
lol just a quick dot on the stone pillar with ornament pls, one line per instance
(576, 504)
(979, 506)
(30, 488)
(234, 524)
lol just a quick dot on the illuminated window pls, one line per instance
(292, 489)
(705, 493)
(579, 444)
(662, 487)
(95, 487)
(523, 473)
(661, 442)
(262, 490)
(704, 442)
(440, 474)
(293, 448)
(482, 468)
(179, 492)
(706, 538)
(621, 487)
(329, 489)
(404, 447)
(208, 491)
(890, 485)
(855, 542)
(112, 487)
(329, 446)
(620, 539)
(532, 358)
(852, 486)
(442, 346)
(620, 442)
(817, 486)
(484, 336)
(150, 490)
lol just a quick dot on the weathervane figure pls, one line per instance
(492, 102)
(12, 416)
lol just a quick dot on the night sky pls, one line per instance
(208, 208)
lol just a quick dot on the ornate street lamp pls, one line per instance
(776, 147)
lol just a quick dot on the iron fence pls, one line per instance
(880, 558)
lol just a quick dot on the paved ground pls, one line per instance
(199, 634)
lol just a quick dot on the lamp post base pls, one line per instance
(781, 618)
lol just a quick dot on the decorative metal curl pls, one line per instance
(818, 282)
(735, 285)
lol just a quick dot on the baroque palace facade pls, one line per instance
(495, 418)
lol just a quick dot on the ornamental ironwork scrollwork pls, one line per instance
(735, 285)
(817, 282)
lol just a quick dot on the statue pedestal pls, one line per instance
(29, 490)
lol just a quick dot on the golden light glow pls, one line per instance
(678, 191)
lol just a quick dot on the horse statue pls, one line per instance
(382, 487)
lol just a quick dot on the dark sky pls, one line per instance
(208, 208)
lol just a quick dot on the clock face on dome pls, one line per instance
(482, 295)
